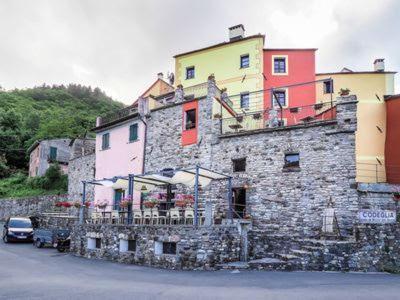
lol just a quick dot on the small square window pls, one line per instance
(280, 65)
(328, 87)
(239, 165)
(133, 132)
(132, 245)
(98, 243)
(279, 97)
(105, 141)
(292, 160)
(189, 72)
(244, 61)
(169, 248)
(244, 100)
(190, 119)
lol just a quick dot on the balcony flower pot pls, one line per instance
(344, 92)
(217, 116)
(239, 119)
(257, 116)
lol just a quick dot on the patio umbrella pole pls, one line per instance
(196, 197)
(83, 203)
(230, 214)
(131, 182)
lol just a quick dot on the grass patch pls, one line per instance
(20, 185)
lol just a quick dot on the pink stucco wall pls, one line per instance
(34, 159)
(122, 158)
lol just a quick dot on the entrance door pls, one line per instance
(118, 195)
(239, 202)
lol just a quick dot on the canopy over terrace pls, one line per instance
(192, 177)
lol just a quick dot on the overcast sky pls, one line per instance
(120, 46)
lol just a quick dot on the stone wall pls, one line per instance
(201, 248)
(280, 201)
(81, 169)
(28, 206)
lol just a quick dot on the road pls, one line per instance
(30, 273)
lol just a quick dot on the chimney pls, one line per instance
(160, 75)
(379, 65)
(236, 32)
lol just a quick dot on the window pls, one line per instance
(244, 61)
(189, 72)
(279, 65)
(292, 160)
(239, 165)
(132, 245)
(244, 100)
(105, 141)
(169, 248)
(133, 132)
(279, 96)
(53, 153)
(98, 243)
(190, 119)
(328, 87)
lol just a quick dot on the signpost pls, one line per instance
(377, 216)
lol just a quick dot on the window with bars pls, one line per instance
(133, 132)
(244, 61)
(280, 65)
(279, 96)
(105, 141)
(244, 100)
(189, 72)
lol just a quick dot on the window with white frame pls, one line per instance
(244, 100)
(279, 65)
(280, 96)
(244, 61)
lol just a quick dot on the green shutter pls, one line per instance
(53, 153)
(133, 132)
(105, 143)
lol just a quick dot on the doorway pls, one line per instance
(239, 202)
(118, 195)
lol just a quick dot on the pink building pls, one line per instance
(120, 141)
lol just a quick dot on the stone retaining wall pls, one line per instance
(201, 248)
(28, 206)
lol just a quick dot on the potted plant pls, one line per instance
(239, 119)
(344, 92)
(257, 116)
(125, 202)
(66, 204)
(217, 116)
(150, 203)
(77, 204)
(396, 196)
(102, 204)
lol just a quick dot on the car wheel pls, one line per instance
(5, 239)
(38, 243)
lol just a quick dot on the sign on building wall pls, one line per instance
(377, 216)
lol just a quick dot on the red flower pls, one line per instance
(66, 204)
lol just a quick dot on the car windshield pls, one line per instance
(20, 223)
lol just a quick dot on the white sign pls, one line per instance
(376, 216)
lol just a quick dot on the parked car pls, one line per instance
(57, 238)
(18, 229)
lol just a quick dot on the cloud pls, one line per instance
(120, 46)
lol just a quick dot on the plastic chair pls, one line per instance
(174, 216)
(146, 216)
(154, 216)
(137, 216)
(189, 215)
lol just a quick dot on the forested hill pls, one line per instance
(46, 112)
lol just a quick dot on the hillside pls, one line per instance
(46, 112)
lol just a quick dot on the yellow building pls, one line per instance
(237, 65)
(370, 88)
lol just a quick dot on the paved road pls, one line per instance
(30, 273)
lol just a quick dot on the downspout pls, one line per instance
(144, 154)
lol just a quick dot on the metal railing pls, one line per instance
(279, 117)
(122, 113)
(377, 173)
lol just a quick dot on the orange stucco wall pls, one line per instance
(392, 144)
(190, 136)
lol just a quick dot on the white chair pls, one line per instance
(154, 216)
(114, 217)
(174, 216)
(189, 215)
(96, 217)
(137, 216)
(146, 216)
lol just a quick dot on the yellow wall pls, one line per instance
(224, 63)
(370, 142)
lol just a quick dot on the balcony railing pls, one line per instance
(279, 117)
(122, 113)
